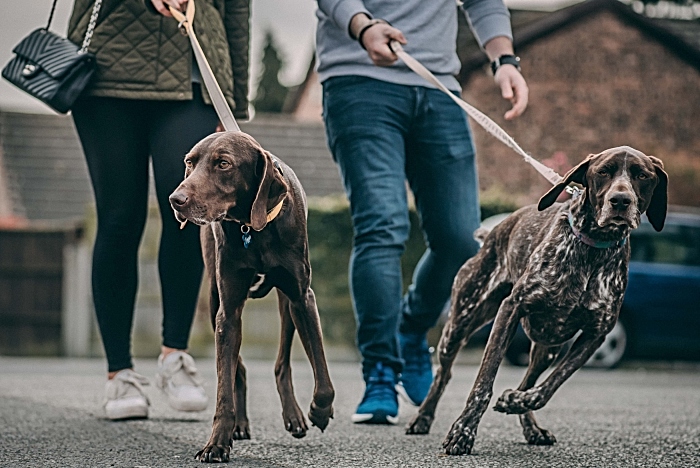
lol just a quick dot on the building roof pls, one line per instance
(46, 176)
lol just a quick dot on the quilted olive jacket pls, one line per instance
(142, 55)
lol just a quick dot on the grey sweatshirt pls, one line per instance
(430, 26)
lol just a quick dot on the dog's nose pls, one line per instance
(178, 199)
(620, 200)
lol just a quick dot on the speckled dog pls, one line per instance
(558, 269)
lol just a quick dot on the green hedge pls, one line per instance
(330, 241)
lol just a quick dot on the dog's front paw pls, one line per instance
(537, 436)
(294, 422)
(420, 424)
(319, 416)
(241, 431)
(518, 402)
(460, 439)
(213, 454)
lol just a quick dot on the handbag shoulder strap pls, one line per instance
(53, 10)
(91, 24)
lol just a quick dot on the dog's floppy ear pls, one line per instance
(577, 174)
(656, 212)
(271, 191)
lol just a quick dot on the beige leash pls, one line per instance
(489, 125)
(217, 96)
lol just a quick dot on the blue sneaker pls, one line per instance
(379, 405)
(417, 375)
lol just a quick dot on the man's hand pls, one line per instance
(513, 88)
(508, 78)
(376, 39)
(162, 6)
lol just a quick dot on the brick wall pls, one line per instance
(596, 84)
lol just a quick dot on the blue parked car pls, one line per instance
(660, 316)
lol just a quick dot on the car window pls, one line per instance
(676, 244)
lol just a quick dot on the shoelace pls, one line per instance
(186, 363)
(130, 377)
(380, 385)
(417, 355)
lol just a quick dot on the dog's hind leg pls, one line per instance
(241, 430)
(467, 315)
(541, 357)
(308, 324)
(294, 420)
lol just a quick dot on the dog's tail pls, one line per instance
(487, 226)
(480, 234)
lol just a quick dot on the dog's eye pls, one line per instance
(223, 164)
(642, 176)
(188, 163)
(602, 172)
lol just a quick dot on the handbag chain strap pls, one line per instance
(91, 24)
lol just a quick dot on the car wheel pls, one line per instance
(612, 350)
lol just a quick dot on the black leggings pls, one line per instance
(118, 135)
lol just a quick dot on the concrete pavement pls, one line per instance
(50, 414)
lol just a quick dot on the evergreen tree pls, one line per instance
(271, 93)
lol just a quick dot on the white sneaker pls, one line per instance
(177, 378)
(124, 396)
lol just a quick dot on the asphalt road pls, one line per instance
(50, 415)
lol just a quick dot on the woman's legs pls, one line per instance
(176, 128)
(112, 132)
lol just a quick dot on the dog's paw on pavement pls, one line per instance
(537, 436)
(213, 454)
(460, 440)
(241, 431)
(420, 424)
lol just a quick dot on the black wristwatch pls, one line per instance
(505, 59)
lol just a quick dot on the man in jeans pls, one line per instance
(386, 125)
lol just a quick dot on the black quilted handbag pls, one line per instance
(51, 68)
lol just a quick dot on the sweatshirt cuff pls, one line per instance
(344, 10)
(498, 25)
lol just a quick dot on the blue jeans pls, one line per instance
(381, 135)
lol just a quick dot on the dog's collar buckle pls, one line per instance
(591, 242)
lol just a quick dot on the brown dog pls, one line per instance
(254, 212)
(558, 271)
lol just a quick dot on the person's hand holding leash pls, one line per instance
(162, 6)
(374, 36)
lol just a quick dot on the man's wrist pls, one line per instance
(358, 22)
(505, 59)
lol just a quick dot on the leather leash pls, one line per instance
(489, 125)
(217, 96)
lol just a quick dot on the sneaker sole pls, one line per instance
(374, 419)
(121, 414)
(187, 406)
